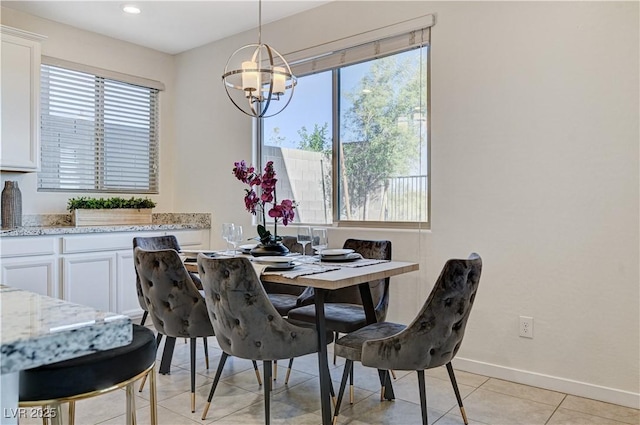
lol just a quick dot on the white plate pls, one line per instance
(352, 256)
(193, 253)
(248, 247)
(330, 252)
(273, 259)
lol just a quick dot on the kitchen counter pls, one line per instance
(38, 330)
(60, 224)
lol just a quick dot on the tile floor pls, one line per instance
(238, 399)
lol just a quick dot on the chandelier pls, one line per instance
(257, 79)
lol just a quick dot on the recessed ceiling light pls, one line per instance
(129, 8)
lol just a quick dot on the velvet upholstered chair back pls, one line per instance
(176, 307)
(152, 243)
(245, 322)
(435, 335)
(379, 250)
(291, 242)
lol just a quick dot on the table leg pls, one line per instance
(370, 314)
(167, 355)
(323, 363)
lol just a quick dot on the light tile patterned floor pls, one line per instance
(239, 401)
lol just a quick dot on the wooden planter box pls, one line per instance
(111, 217)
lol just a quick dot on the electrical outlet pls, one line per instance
(526, 327)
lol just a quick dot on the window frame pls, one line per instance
(365, 38)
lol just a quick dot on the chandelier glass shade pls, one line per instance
(257, 79)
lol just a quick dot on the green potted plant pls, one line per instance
(87, 211)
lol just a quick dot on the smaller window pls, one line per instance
(97, 134)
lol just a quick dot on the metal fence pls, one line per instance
(405, 198)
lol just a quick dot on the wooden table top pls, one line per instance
(336, 279)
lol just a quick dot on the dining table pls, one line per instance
(37, 330)
(330, 277)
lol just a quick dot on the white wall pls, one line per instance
(534, 166)
(89, 48)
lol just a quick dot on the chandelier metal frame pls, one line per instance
(261, 80)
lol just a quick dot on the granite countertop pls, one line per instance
(38, 330)
(60, 224)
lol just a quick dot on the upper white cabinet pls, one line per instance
(20, 92)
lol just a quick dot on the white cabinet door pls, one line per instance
(20, 93)
(90, 279)
(35, 274)
(126, 285)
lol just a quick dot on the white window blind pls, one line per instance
(363, 47)
(97, 134)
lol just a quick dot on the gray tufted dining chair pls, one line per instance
(343, 308)
(153, 243)
(246, 324)
(285, 297)
(176, 307)
(431, 340)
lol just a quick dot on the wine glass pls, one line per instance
(319, 240)
(236, 237)
(227, 234)
(304, 238)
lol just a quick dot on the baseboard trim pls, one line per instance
(554, 383)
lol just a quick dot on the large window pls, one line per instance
(97, 134)
(353, 143)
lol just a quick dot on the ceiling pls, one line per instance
(168, 26)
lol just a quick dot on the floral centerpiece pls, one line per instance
(265, 204)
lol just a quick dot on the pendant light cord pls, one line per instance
(259, 21)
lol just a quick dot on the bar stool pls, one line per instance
(93, 375)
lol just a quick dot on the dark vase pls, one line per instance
(11, 205)
(276, 248)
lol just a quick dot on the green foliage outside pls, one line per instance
(382, 147)
(109, 203)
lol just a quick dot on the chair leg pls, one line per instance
(343, 384)
(153, 396)
(336, 335)
(393, 374)
(275, 370)
(384, 386)
(255, 368)
(131, 406)
(193, 375)
(144, 378)
(423, 396)
(267, 366)
(144, 318)
(286, 378)
(333, 394)
(454, 383)
(56, 414)
(351, 386)
(223, 359)
(72, 413)
(206, 352)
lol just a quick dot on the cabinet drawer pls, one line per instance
(74, 244)
(20, 247)
(91, 243)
